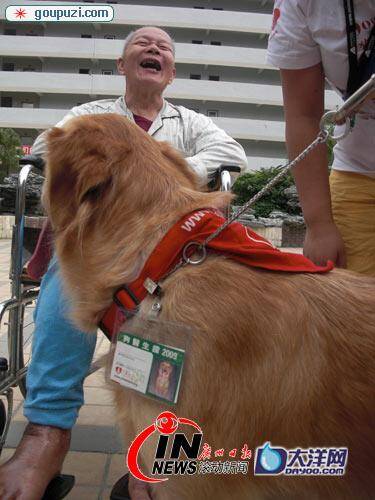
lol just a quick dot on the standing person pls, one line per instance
(309, 42)
(62, 355)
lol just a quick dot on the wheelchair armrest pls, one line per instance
(229, 168)
(35, 161)
(215, 177)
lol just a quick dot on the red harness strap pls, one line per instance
(237, 242)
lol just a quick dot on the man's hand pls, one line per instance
(323, 242)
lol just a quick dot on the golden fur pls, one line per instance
(286, 358)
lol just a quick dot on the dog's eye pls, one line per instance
(92, 194)
(95, 192)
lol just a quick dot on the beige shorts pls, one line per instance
(353, 206)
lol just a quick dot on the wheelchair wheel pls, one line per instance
(3, 417)
(24, 354)
(23, 323)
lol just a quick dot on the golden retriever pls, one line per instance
(163, 380)
(280, 357)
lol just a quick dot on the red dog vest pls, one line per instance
(236, 242)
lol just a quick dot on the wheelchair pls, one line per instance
(19, 311)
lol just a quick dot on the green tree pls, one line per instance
(247, 185)
(10, 151)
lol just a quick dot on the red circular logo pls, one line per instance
(166, 423)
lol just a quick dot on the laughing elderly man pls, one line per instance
(62, 355)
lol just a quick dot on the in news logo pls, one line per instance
(175, 454)
(167, 424)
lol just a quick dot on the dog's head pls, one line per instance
(96, 160)
(111, 193)
(165, 370)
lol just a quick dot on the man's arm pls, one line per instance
(39, 147)
(208, 147)
(303, 91)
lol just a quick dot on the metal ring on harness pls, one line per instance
(329, 119)
(200, 248)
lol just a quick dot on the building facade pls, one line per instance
(48, 67)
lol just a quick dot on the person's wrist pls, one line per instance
(320, 225)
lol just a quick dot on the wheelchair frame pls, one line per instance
(13, 373)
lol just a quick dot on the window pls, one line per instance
(198, 42)
(198, 7)
(107, 72)
(29, 68)
(212, 113)
(215, 43)
(31, 33)
(83, 35)
(109, 37)
(8, 66)
(214, 78)
(84, 71)
(7, 102)
(195, 77)
(27, 105)
(10, 31)
(217, 8)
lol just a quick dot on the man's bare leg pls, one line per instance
(37, 460)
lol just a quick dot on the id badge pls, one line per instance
(149, 358)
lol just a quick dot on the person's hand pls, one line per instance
(323, 242)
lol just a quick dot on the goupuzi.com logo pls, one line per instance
(60, 13)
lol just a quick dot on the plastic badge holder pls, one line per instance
(149, 356)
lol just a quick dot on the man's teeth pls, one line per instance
(151, 65)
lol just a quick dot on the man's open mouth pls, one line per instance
(151, 64)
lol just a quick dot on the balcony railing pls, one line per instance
(239, 128)
(101, 49)
(104, 85)
(176, 17)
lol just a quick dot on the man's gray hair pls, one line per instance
(130, 37)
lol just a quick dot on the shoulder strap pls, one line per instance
(356, 66)
(351, 35)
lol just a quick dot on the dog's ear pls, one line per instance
(54, 133)
(95, 174)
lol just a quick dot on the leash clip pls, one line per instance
(199, 248)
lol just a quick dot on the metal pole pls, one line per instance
(16, 315)
(355, 100)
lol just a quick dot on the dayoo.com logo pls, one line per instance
(60, 13)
